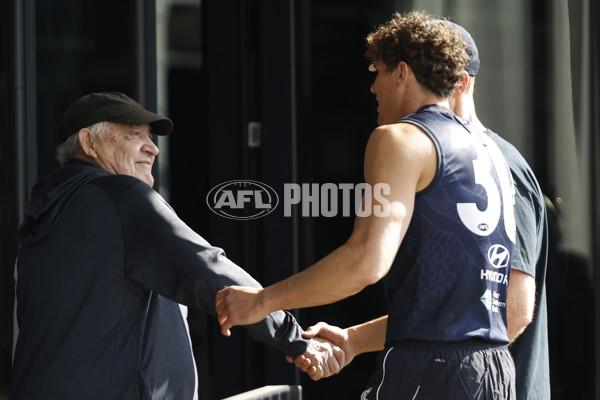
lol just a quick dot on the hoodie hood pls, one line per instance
(51, 196)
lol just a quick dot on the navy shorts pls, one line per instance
(470, 370)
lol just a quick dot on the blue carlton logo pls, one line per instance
(242, 199)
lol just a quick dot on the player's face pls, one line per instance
(384, 89)
(129, 150)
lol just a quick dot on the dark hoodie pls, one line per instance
(103, 263)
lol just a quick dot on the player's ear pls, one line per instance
(402, 71)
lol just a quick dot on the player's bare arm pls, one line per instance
(399, 155)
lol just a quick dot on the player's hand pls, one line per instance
(321, 359)
(338, 336)
(238, 305)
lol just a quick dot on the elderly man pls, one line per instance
(105, 267)
(443, 249)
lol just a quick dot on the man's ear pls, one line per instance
(87, 143)
(402, 70)
(463, 86)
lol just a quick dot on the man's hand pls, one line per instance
(337, 336)
(321, 359)
(239, 305)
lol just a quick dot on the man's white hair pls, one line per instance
(70, 147)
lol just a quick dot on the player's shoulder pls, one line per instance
(403, 147)
(396, 132)
(405, 136)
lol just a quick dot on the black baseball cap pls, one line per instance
(472, 67)
(113, 107)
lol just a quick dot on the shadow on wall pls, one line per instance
(571, 313)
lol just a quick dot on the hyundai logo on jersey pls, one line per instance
(498, 256)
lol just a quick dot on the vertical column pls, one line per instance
(144, 13)
(278, 97)
(223, 131)
(24, 95)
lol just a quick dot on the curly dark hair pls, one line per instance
(434, 51)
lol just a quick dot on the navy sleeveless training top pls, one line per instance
(450, 277)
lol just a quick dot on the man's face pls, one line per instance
(128, 150)
(384, 89)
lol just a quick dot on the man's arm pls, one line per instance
(163, 254)
(369, 336)
(398, 155)
(529, 214)
(520, 303)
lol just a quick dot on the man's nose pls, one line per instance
(150, 147)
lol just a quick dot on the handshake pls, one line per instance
(329, 350)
